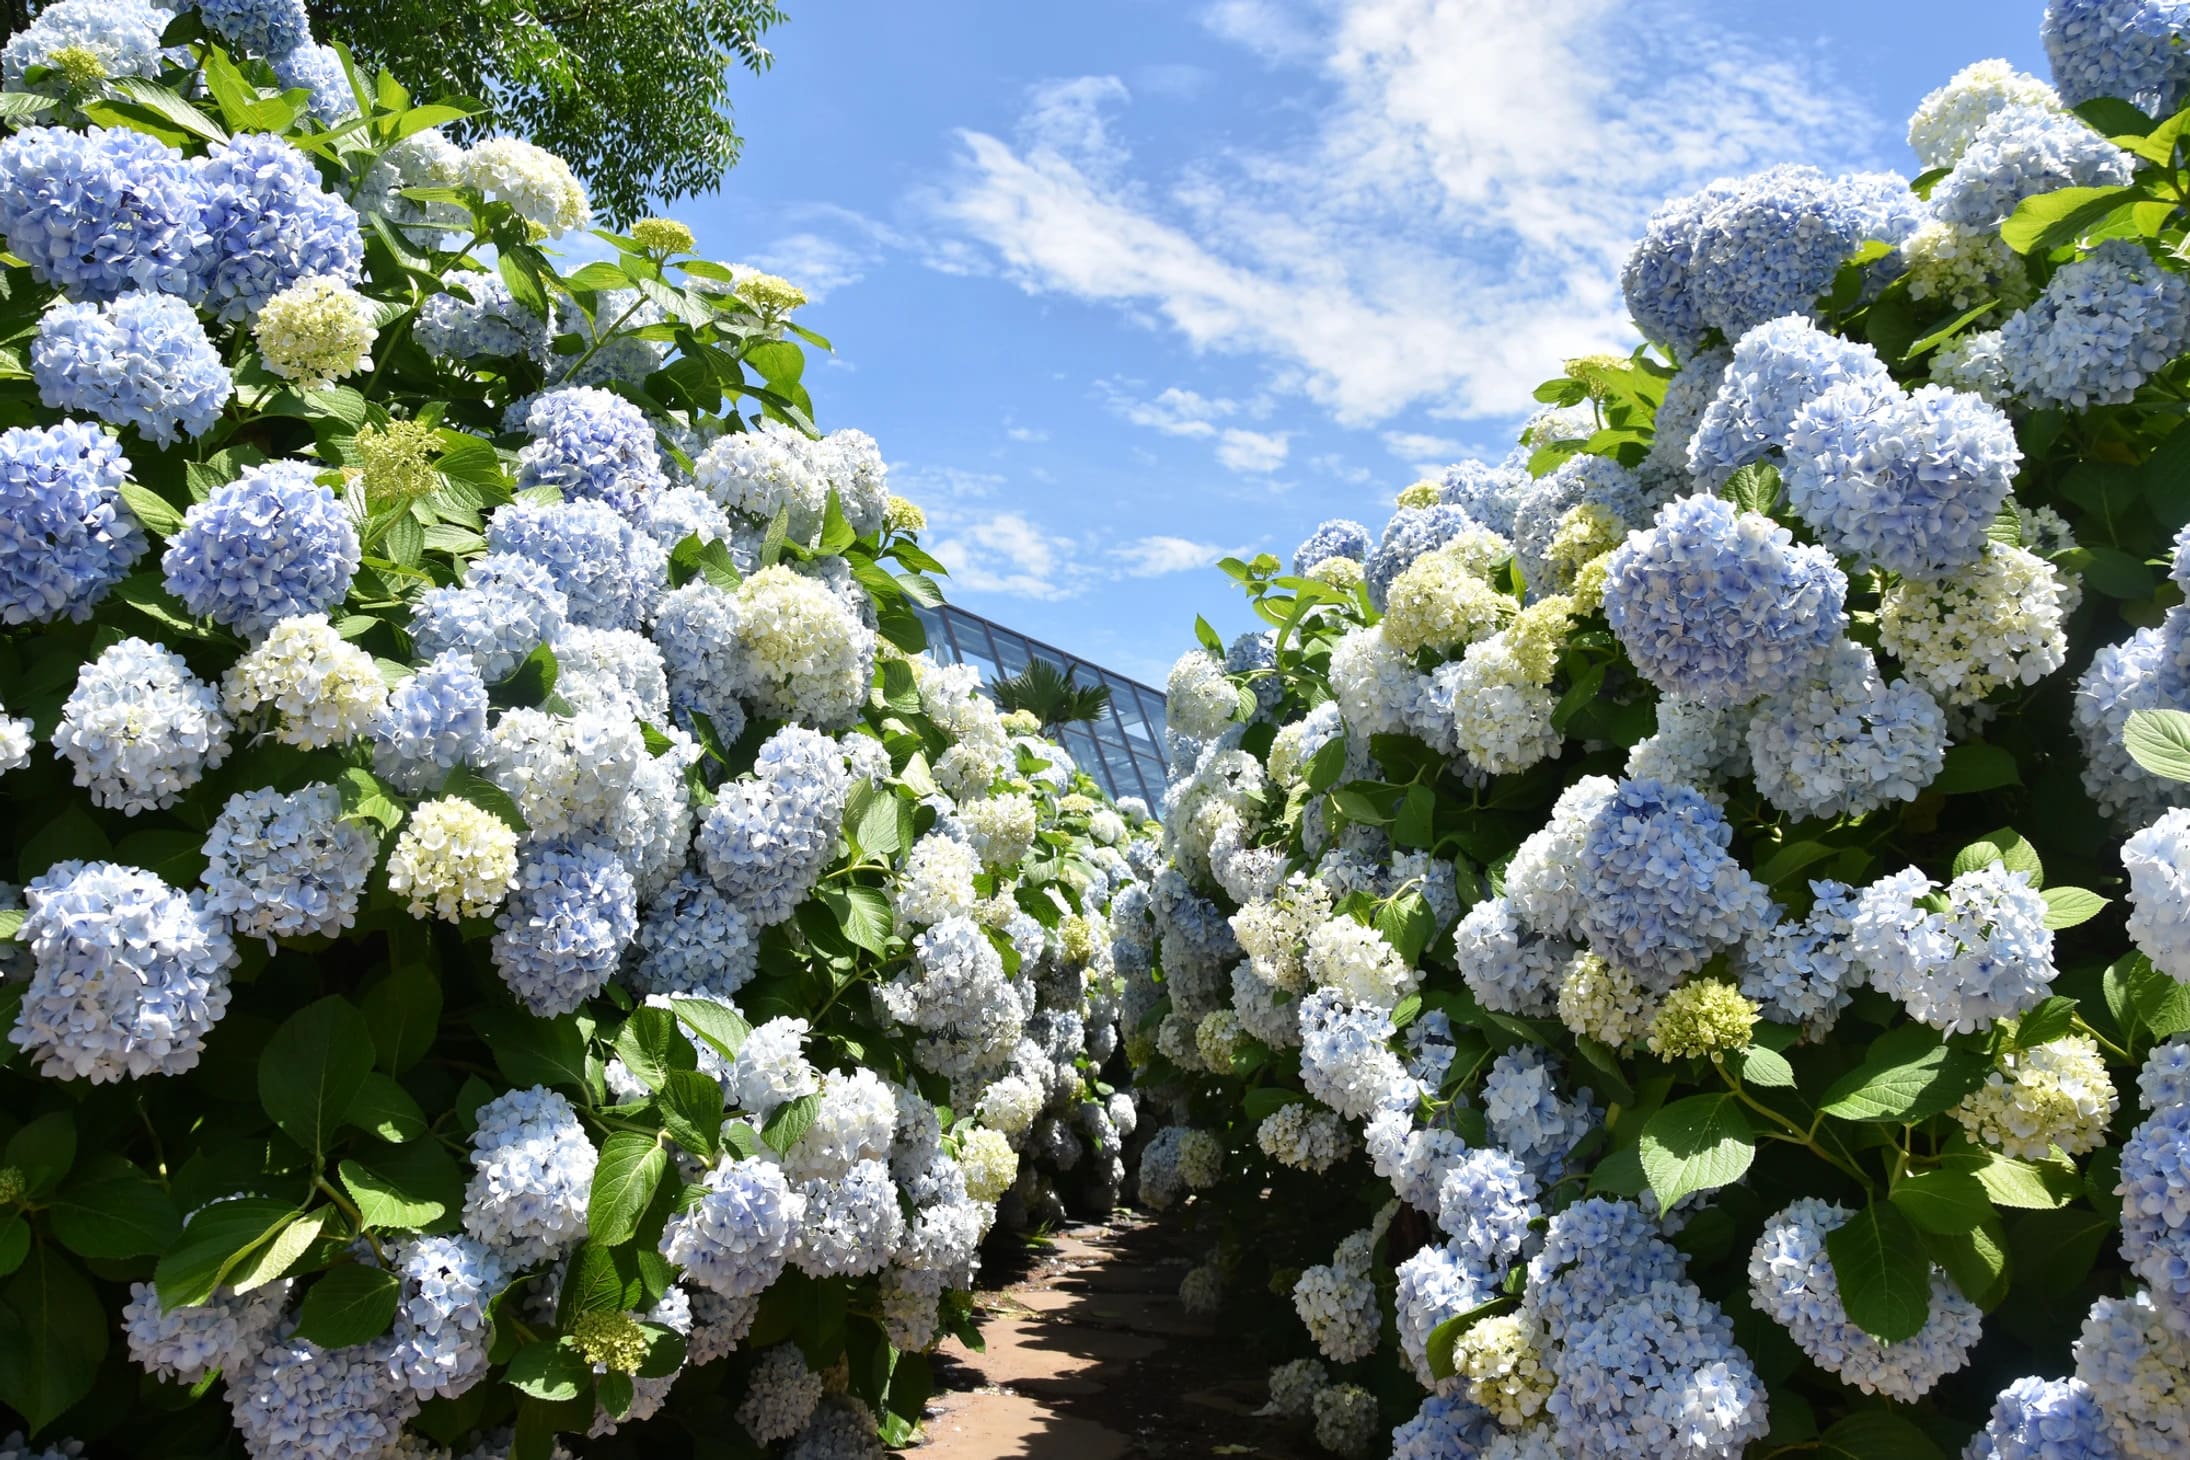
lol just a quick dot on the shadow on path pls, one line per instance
(1091, 1357)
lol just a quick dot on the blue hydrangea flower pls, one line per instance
(441, 1324)
(1412, 532)
(287, 865)
(1437, 1283)
(507, 607)
(1909, 483)
(1777, 368)
(1657, 1373)
(317, 71)
(140, 729)
(2164, 1082)
(2156, 1213)
(123, 34)
(610, 572)
(532, 1176)
(2136, 674)
(1755, 248)
(1340, 537)
(1595, 1252)
(561, 933)
(1802, 972)
(676, 513)
(102, 212)
(2020, 152)
(489, 325)
(1596, 481)
(696, 628)
(1846, 742)
(2135, 1369)
(2158, 862)
(1987, 956)
(1687, 396)
(142, 361)
(735, 1240)
(303, 1402)
(1527, 1115)
(590, 443)
(1444, 1429)
(1487, 491)
(1660, 894)
(433, 722)
(271, 224)
(2132, 49)
(127, 974)
(2045, 1419)
(1485, 1205)
(1720, 606)
(267, 28)
(65, 537)
(693, 940)
(1509, 967)
(768, 836)
(267, 546)
(2104, 325)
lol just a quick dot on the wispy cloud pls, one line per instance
(1026, 435)
(835, 249)
(1174, 412)
(1255, 451)
(1153, 557)
(1441, 229)
(1005, 552)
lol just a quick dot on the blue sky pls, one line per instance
(1123, 286)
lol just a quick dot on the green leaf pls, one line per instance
(43, 1150)
(546, 1370)
(1876, 1434)
(2068, 906)
(631, 1166)
(365, 797)
(1977, 1260)
(862, 914)
(351, 1304)
(664, 1352)
(2045, 222)
(1757, 1065)
(526, 686)
(2049, 1021)
(651, 1045)
(1753, 488)
(1883, 1272)
(385, 1109)
(719, 1024)
(1791, 859)
(2147, 1004)
(404, 1010)
(312, 1069)
(2159, 740)
(118, 1213)
(691, 1110)
(410, 1187)
(282, 1252)
(1907, 1075)
(214, 1241)
(53, 1335)
(1696, 1144)
(1976, 766)
(789, 1121)
(1407, 923)
(772, 541)
(534, 1051)
(2006, 847)
(158, 515)
(2029, 1185)
(1943, 1200)
(14, 1241)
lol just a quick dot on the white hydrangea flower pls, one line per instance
(140, 729)
(316, 331)
(453, 861)
(533, 180)
(2055, 1094)
(323, 689)
(1354, 960)
(1997, 622)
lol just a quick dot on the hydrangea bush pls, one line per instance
(1675, 943)
(512, 948)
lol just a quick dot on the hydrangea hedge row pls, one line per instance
(1676, 944)
(514, 948)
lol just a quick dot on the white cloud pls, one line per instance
(942, 487)
(1468, 178)
(1152, 557)
(1257, 451)
(1175, 412)
(1026, 435)
(1421, 445)
(1004, 552)
(835, 249)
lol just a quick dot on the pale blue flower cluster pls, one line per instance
(610, 573)
(852, 1223)
(1665, 471)
(1847, 742)
(143, 360)
(102, 212)
(127, 974)
(2164, 1082)
(432, 722)
(490, 325)
(2045, 1419)
(317, 71)
(768, 836)
(1987, 956)
(1596, 481)
(2132, 49)
(590, 443)
(2156, 1212)
(1660, 894)
(565, 927)
(532, 1176)
(1777, 368)
(287, 865)
(1487, 491)
(1411, 532)
(673, 514)
(271, 224)
(1906, 482)
(1721, 606)
(1437, 1283)
(140, 729)
(267, 546)
(1508, 966)
(2135, 674)
(1485, 1205)
(1745, 250)
(693, 940)
(1527, 1116)
(65, 536)
(441, 1326)
(262, 27)
(2137, 1372)
(736, 1239)
(303, 1402)
(1803, 972)
(1656, 1373)
(2020, 152)
(1793, 1282)
(123, 34)
(1594, 1253)
(1444, 1429)
(2104, 325)
(507, 607)
(2158, 862)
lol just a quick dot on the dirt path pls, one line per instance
(1090, 1357)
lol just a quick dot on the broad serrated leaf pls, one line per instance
(1943, 1200)
(631, 1166)
(2068, 906)
(2159, 740)
(312, 1069)
(1906, 1075)
(1697, 1144)
(350, 1304)
(789, 1121)
(1883, 1273)
(719, 1024)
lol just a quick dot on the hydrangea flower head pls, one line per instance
(489, 324)
(1776, 369)
(1660, 894)
(1948, 119)
(2132, 49)
(65, 536)
(318, 688)
(143, 360)
(590, 443)
(1846, 742)
(140, 729)
(316, 331)
(101, 212)
(453, 861)
(266, 28)
(737, 1238)
(2139, 1375)
(287, 865)
(1988, 955)
(532, 1176)
(1340, 537)
(1721, 606)
(2020, 152)
(270, 545)
(507, 607)
(1997, 622)
(610, 573)
(565, 926)
(2104, 325)
(118, 37)
(272, 225)
(532, 180)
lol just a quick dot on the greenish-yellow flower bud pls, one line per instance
(1422, 494)
(615, 1341)
(79, 66)
(398, 462)
(1704, 1017)
(11, 1185)
(903, 516)
(662, 235)
(770, 294)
